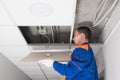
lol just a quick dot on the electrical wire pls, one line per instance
(46, 37)
(98, 9)
(58, 33)
(52, 34)
(100, 12)
(55, 34)
(43, 36)
(115, 2)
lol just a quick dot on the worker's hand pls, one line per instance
(47, 62)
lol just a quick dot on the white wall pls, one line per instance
(111, 23)
(111, 46)
(8, 71)
(100, 61)
(111, 52)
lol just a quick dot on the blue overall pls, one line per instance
(81, 67)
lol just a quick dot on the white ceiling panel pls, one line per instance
(55, 78)
(39, 79)
(11, 36)
(36, 76)
(22, 67)
(41, 12)
(37, 72)
(4, 17)
(17, 61)
(14, 51)
(52, 74)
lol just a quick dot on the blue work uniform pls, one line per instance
(82, 65)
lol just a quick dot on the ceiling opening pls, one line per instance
(46, 34)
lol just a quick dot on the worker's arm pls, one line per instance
(67, 70)
(73, 67)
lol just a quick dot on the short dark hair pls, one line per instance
(85, 30)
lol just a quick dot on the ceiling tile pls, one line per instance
(38, 79)
(4, 17)
(14, 51)
(11, 36)
(29, 67)
(34, 12)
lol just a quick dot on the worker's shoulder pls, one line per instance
(82, 47)
(80, 50)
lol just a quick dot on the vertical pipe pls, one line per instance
(72, 25)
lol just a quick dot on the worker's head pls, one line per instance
(81, 35)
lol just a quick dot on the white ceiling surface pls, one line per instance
(4, 17)
(12, 43)
(17, 12)
(40, 12)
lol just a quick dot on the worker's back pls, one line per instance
(88, 69)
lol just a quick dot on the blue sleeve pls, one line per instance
(66, 69)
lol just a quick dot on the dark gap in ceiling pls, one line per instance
(46, 34)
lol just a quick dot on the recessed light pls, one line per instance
(41, 9)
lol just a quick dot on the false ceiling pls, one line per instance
(30, 14)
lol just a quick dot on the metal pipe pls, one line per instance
(72, 27)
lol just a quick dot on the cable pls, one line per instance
(58, 32)
(98, 9)
(52, 34)
(43, 34)
(101, 11)
(115, 2)
(46, 37)
(42, 71)
(55, 34)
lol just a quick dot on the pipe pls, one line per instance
(72, 27)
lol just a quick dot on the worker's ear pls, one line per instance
(82, 34)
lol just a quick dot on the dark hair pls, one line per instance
(84, 30)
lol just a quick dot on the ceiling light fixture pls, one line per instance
(41, 9)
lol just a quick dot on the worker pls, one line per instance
(82, 65)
